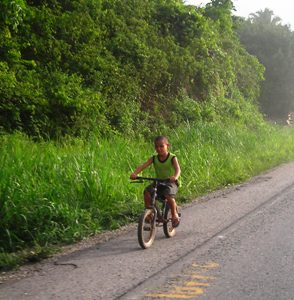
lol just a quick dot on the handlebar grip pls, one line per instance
(137, 181)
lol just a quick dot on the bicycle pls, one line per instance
(154, 216)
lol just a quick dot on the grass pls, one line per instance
(52, 194)
(223, 155)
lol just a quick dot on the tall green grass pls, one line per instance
(214, 155)
(52, 193)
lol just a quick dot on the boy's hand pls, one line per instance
(133, 176)
(173, 179)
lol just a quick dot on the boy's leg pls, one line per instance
(148, 195)
(147, 199)
(174, 212)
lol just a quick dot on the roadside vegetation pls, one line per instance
(86, 85)
(53, 194)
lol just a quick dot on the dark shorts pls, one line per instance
(168, 189)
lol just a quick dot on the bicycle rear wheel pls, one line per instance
(168, 228)
(147, 228)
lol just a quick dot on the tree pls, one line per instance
(273, 44)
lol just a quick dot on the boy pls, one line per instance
(166, 166)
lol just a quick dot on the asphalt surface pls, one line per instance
(236, 243)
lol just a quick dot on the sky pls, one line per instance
(281, 8)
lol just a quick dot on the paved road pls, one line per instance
(233, 244)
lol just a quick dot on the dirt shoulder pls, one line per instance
(31, 268)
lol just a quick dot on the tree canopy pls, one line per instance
(264, 36)
(74, 66)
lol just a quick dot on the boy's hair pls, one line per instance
(161, 138)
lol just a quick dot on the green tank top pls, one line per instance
(164, 169)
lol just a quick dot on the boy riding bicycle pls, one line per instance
(167, 167)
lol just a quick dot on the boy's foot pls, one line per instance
(149, 219)
(175, 222)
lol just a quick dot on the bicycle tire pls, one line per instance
(168, 229)
(147, 228)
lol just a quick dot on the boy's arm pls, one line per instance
(141, 168)
(177, 170)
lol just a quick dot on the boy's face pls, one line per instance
(161, 147)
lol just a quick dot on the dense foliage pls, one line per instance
(77, 66)
(267, 38)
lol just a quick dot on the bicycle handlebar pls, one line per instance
(151, 179)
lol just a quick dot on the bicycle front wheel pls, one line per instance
(168, 229)
(147, 228)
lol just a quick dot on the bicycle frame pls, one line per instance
(155, 215)
(154, 197)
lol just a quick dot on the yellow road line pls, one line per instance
(197, 276)
(196, 283)
(172, 296)
(180, 292)
(191, 288)
(209, 265)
